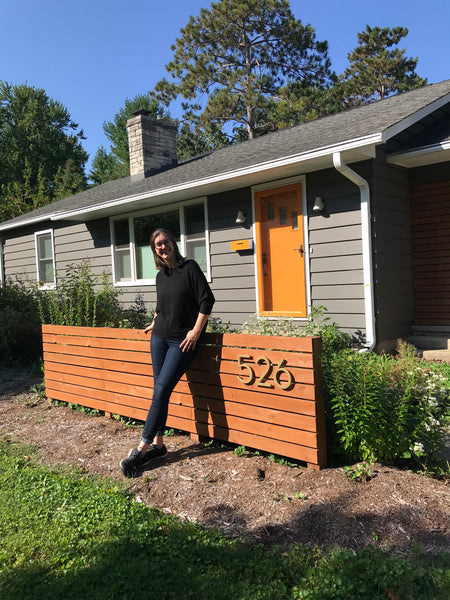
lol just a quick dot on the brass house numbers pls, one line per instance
(260, 370)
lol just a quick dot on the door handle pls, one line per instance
(300, 250)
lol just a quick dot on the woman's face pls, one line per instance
(164, 248)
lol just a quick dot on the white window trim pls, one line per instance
(2, 262)
(273, 185)
(156, 210)
(46, 286)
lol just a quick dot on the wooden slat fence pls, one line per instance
(262, 392)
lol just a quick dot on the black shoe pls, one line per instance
(153, 452)
(136, 458)
(133, 461)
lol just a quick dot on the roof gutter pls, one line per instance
(369, 300)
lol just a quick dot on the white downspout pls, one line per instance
(369, 301)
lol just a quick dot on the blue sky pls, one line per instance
(92, 54)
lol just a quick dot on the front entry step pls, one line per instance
(432, 343)
(435, 355)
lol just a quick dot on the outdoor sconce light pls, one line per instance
(240, 217)
(318, 204)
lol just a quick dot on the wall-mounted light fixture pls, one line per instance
(240, 217)
(318, 204)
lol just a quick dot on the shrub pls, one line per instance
(385, 408)
(81, 299)
(333, 339)
(84, 300)
(21, 339)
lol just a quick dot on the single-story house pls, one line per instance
(350, 212)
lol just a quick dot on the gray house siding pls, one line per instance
(335, 243)
(19, 256)
(429, 174)
(77, 242)
(233, 273)
(392, 258)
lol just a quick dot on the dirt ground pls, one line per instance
(246, 496)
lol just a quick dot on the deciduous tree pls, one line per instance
(37, 139)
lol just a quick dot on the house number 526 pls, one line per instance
(282, 377)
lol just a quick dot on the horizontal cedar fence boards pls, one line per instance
(264, 392)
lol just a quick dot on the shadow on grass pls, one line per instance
(180, 566)
(177, 566)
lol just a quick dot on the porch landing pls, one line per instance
(432, 342)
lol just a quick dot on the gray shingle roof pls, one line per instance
(376, 118)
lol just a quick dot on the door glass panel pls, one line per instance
(271, 211)
(295, 220)
(283, 215)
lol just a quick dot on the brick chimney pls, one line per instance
(152, 144)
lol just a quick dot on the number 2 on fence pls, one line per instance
(249, 377)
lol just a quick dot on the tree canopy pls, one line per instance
(239, 54)
(38, 140)
(378, 68)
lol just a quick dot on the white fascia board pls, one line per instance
(366, 144)
(415, 117)
(419, 157)
(30, 221)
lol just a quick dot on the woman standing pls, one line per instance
(183, 304)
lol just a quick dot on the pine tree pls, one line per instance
(237, 55)
(378, 68)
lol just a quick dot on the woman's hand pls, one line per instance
(190, 340)
(150, 327)
(192, 336)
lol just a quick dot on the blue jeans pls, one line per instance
(169, 363)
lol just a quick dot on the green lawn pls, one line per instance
(68, 536)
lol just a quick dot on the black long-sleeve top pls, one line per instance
(181, 294)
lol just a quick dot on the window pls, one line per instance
(45, 261)
(2, 273)
(132, 256)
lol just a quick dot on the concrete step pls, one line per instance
(437, 355)
(430, 342)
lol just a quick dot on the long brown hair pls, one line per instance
(159, 262)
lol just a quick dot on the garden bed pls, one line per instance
(249, 495)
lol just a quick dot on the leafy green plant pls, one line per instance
(84, 300)
(317, 323)
(385, 408)
(39, 390)
(21, 339)
(359, 472)
(240, 451)
(216, 325)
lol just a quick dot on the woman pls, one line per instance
(183, 304)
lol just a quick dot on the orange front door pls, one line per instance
(281, 252)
